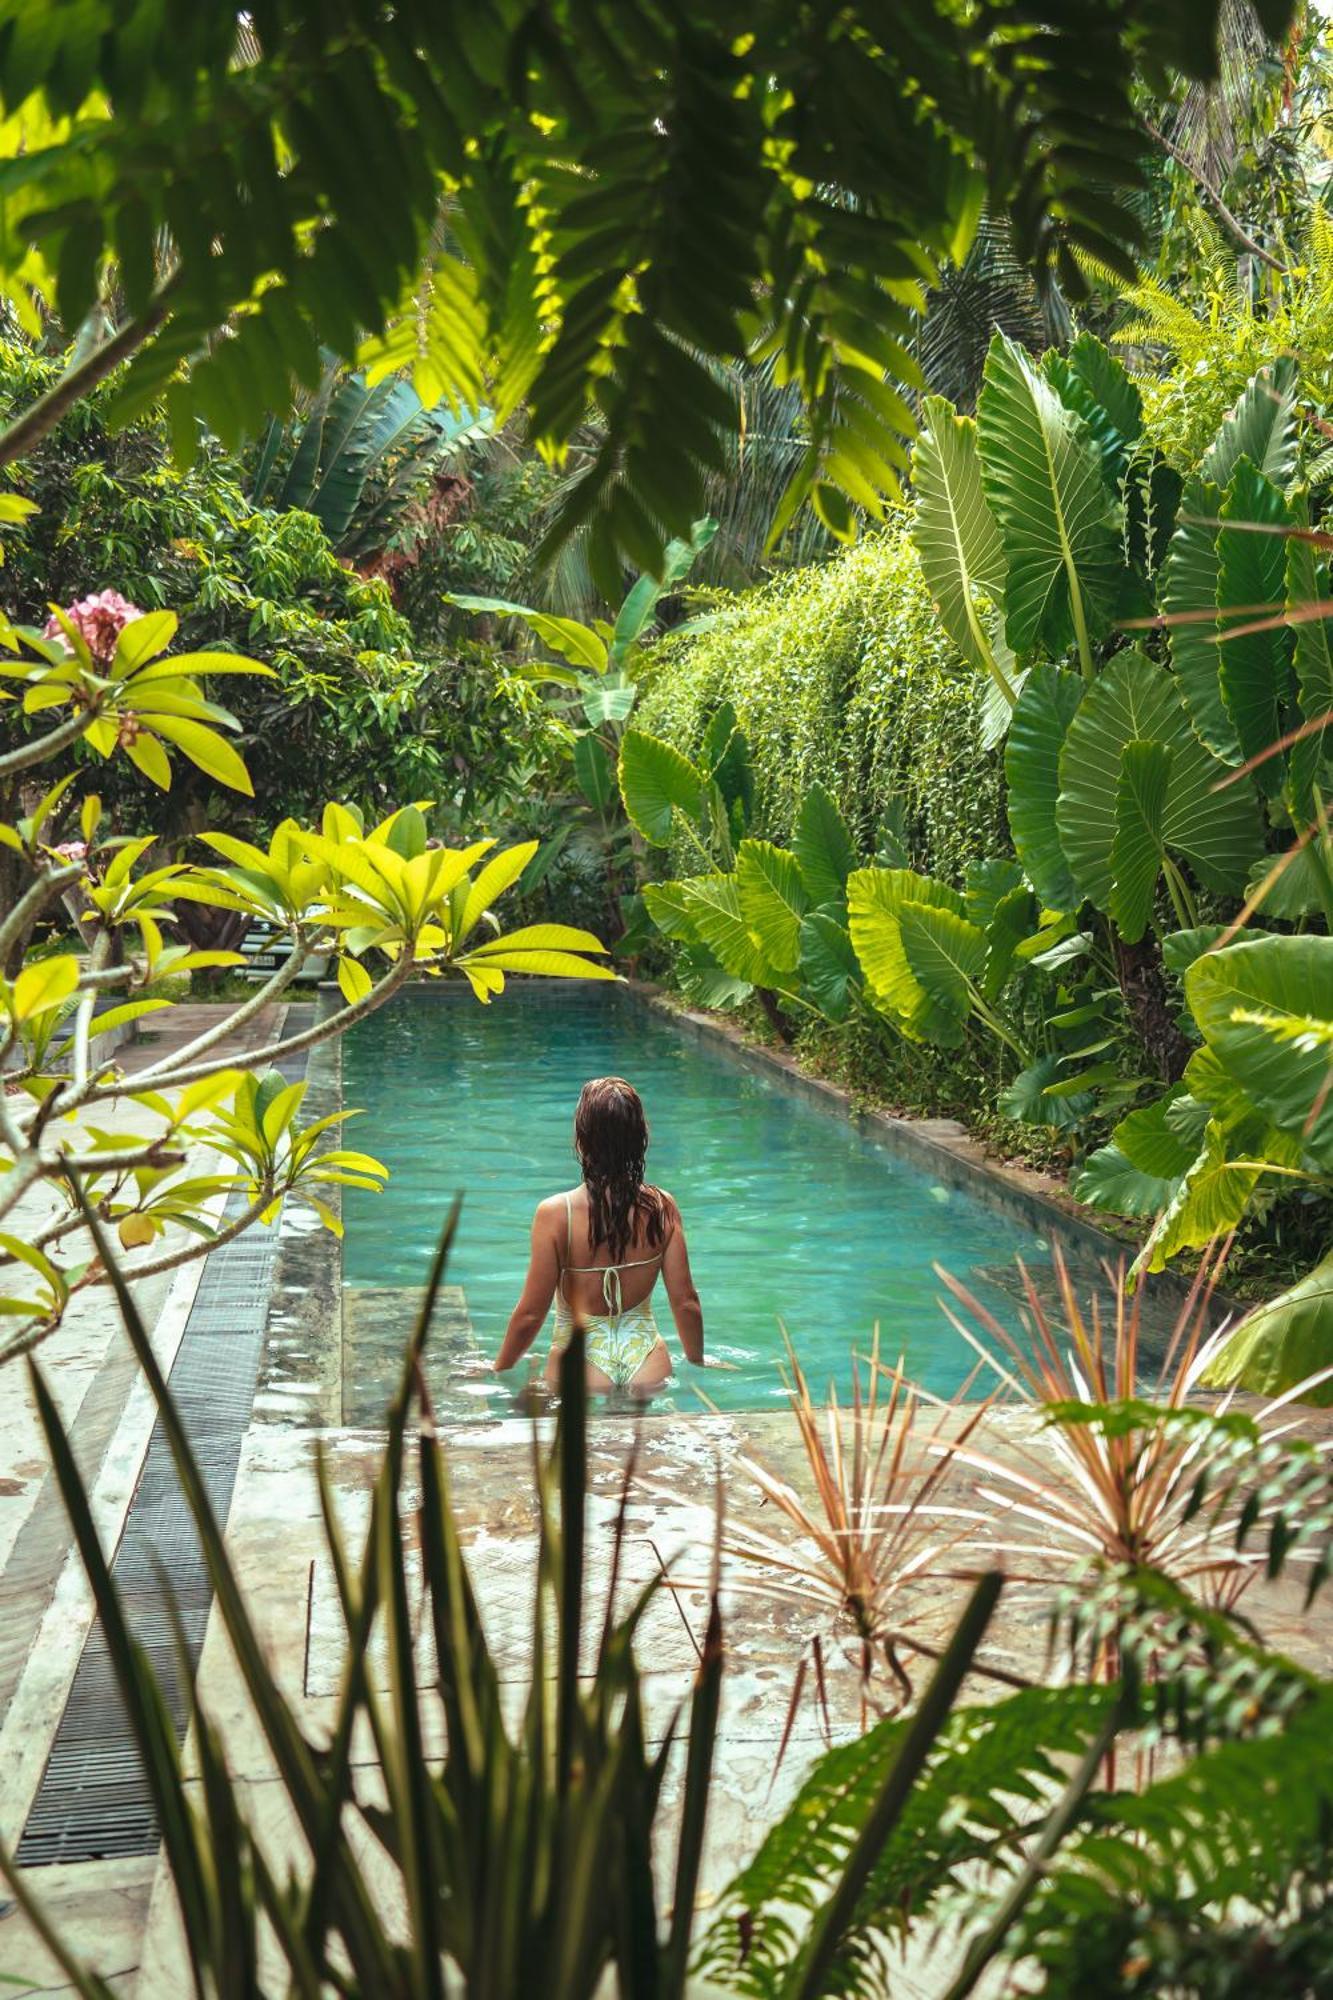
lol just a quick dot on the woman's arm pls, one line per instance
(538, 1290)
(685, 1306)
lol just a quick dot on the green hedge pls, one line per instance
(840, 672)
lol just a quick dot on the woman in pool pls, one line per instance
(597, 1251)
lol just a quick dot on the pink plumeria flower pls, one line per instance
(99, 621)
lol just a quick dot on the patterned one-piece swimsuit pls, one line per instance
(619, 1340)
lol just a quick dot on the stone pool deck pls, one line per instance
(121, 1913)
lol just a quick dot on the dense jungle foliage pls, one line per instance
(502, 379)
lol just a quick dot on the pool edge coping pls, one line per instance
(944, 1145)
(309, 1265)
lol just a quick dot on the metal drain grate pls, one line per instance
(93, 1803)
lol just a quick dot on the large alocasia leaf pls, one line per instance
(1188, 596)
(1265, 1009)
(945, 954)
(829, 965)
(1107, 1180)
(656, 781)
(668, 904)
(772, 901)
(877, 901)
(1283, 1342)
(1013, 922)
(1210, 1199)
(1138, 849)
(1059, 522)
(1031, 1098)
(954, 531)
(1254, 669)
(1262, 428)
(824, 849)
(1151, 1140)
(1096, 385)
(1135, 701)
(1181, 948)
(713, 907)
(986, 886)
(704, 983)
(1308, 583)
(1045, 709)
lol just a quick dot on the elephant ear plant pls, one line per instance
(1154, 654)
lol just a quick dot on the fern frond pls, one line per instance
(1237, 1825)
(1164, 321)
(991, 1773)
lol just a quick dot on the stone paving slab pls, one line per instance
(99, 1909)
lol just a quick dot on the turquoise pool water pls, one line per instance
(792, 1214)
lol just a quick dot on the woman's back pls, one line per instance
(597, 1251)
(592, 1280)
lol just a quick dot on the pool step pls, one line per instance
(377, 1323)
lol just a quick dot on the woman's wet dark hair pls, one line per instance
(611, 1140)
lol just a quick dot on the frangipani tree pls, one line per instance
(385, 901)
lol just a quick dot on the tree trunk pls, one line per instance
(210, 929)
(777, 1020)
(1148, 1003)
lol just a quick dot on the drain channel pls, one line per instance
(93, 1803)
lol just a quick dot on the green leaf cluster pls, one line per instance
(597, 211)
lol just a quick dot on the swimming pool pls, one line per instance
(794, 1215)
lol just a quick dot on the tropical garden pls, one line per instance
(826, 513)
